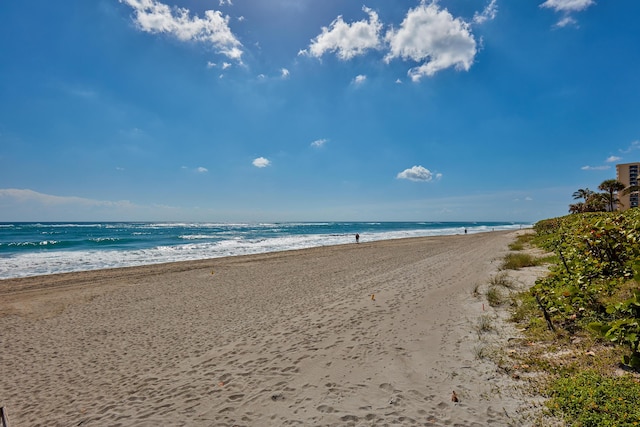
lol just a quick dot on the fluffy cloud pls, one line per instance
(433, 35)
(319, 143)
(359, 79)
(567, 5)
(261, 162)
(348, 40)
(284, 73)
(155, 17)
(418, 173)
(566, 21)
(612, 159)
(429, 35)
(489, 13)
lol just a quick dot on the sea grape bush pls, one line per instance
(625, 329)
(595, 283)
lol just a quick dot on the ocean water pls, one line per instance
(30, 249)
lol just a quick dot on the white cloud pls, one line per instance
(225, 65)
(199, 169)
(261, 162)
(27, 196)
(211, 64)
(347, 40)
(489, 13)
(29, 205)
(566, 21)
(359, 79)
(223, 2)
(319, 143)
(433, 35)
(284, 73)
(568, 5)
(595, 168)
(155, 17)
(418, 173)
(635, 145)
(612, 159)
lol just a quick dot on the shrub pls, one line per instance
(494, 296)
(502, 279)
(516, 261)
(485, 324)
(599, 260)
(589, 399)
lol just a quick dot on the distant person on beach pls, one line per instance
(465, 231)
(357, 238)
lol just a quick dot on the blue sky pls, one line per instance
(307, 110)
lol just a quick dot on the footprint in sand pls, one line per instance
(386, 387)
(235, 397)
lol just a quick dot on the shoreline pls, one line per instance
(72, 249)
(361, 334)
(196, 263)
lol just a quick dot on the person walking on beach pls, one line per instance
(357, 238)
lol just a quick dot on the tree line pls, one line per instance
(605, 201)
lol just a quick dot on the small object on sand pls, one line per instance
(277, 396)
(212, 271)
(221, 384)
(373, 297)
(454, 397)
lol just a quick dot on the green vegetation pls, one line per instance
(485, 324)
(521, 241)
(594, 285)
(501, 279)
(516, 261)
(601, 202)
(582, 321)
(494, 296)
(590, 399)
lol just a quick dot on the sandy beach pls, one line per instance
(367, 334)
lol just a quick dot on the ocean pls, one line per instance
(31, 249)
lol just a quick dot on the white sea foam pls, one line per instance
(49, 262)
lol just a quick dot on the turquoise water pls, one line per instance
(28, 249)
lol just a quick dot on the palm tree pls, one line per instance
(597, 203)
(611, 186)
(631, 189)
(577, 207)
(583, 193)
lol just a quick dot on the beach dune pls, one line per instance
(376, 334)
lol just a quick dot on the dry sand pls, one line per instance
(369, 334)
